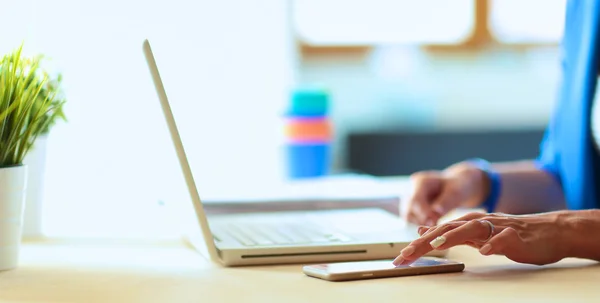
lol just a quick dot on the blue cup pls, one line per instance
(308, 160)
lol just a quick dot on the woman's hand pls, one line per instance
(534, 239)
(435, 193)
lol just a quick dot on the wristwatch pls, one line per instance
(489, 203)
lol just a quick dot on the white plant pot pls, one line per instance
(36, 166)
(13, 186)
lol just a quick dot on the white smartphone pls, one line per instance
(360, 270)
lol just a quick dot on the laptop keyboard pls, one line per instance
(282, 234)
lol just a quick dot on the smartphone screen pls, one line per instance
(361, 266)
(380, 269)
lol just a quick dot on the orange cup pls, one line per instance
(309, 130)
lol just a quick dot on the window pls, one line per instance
(527, 21)
(322, 23)
(369, 22)
(111, 169)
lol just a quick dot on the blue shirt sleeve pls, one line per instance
(567, 152)
(548, 157)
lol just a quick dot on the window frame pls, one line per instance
(481, 37)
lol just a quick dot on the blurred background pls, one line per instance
(411, 85)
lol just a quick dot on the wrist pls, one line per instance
(487, 184)
(472, 176)
(580, 233)
(483, 189)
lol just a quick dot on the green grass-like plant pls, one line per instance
(30, 104)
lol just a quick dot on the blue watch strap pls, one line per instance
(491, 200)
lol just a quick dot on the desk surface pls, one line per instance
(171, 272)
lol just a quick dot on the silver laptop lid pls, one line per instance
(203, 240)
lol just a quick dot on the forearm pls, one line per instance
(527, 189)
(524, 189)
(581, 232)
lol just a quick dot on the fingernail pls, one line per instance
(407, 251)
(485, 249)
(398, 260)
(421, 230)
(437, 242)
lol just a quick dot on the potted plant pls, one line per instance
(26, 113)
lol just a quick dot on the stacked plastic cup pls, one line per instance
(309, 133)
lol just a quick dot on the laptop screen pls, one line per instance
(178, 120)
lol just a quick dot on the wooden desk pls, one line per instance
(171, 272)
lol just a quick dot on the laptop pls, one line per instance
(285, 237)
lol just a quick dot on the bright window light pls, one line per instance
(367, 22)
(527, 21)
(111, 169)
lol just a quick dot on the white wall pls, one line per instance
(227, 66)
